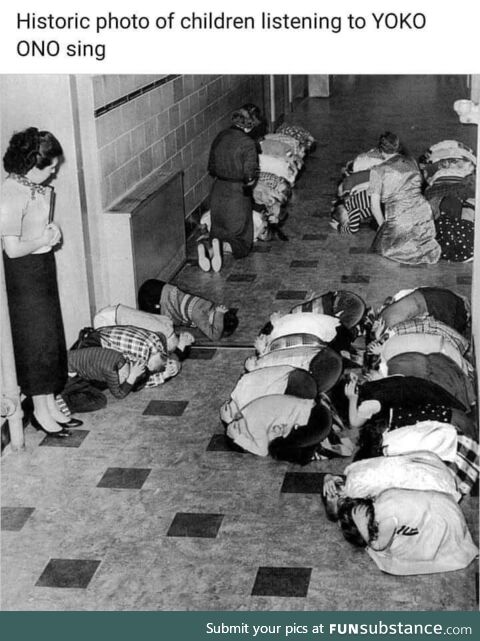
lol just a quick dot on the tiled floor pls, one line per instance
(146, 509)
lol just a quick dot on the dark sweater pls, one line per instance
(99, 364)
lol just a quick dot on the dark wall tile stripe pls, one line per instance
(132, 95)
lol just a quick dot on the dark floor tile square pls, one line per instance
(241, 278)
(262, 249)
(14, 518)
(201, 353)
(286, 582)
(124, 478)
(307, 264)
(464, 280)
(355, 278)
(68, 573)
(291, 294)
(314, 237)
(357, 250)
(298, 483)
(197, 525)
(165, 408)
(219, 443)
(75, 439)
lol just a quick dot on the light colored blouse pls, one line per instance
(412, 471)
(262, 382)
(430, 534)
(320, 325)
(24, 212)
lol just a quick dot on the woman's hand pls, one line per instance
(375, 347)
(378, 328)
(332, 486)
(261, 344)
(53, 234)
(351, 388)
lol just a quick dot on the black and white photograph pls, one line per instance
(238, 342)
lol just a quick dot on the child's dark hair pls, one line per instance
(281, 449)
(370, 440)
(31, 148)
(389, 143)
(347, 524)
(230, 322)
(300, 445)
(149, 296)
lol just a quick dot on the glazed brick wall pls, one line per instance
(167, 128)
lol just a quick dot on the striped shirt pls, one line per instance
(359, 211)
(191, 310)
(99, 364)
(295, 340)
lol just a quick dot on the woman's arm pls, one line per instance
(376, 207)
(15, 247)
(351, 392)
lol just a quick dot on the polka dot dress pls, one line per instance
(455, 237)
(402, 416)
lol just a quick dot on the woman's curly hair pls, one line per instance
(31, 148)
(370, 439)
(389, 143)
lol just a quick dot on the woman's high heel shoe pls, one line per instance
(38, 426)
(72, 422)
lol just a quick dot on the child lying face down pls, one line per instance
(115, 315)
(421, 470)
(409, 531)
(303, 329)
(215, 321)
(286, 427)
(347, 306)
(137, 345)
(442, 304)
(106, 366)
(279, 379)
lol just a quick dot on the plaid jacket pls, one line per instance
(466, 464)
(428, 325)
(136, 344)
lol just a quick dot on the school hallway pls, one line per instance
(145, 508)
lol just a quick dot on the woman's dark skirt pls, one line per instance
(231, 212)
(37, 326)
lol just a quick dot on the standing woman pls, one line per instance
(406, 232)
(28, 236)
(233, 162)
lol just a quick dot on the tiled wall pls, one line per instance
(150, 123)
